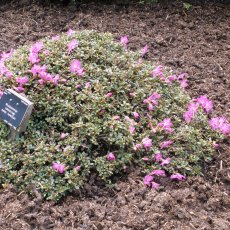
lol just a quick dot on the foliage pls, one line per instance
(84, 121)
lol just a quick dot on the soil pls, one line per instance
(196, 41)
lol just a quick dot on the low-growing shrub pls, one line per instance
(99, 108)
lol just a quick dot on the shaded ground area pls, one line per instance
(196, 41)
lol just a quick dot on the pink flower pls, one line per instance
(1, 93)
(188, 116)
(63, 135)
(158, 157)
(87, 85)
(22, 80)
(139, 62)
(116, 117)
(154, 97)
(158, 71)
(110, 94)
(215, 145)
(78, 167)
(205, 103)
(147, 142)
(111, 157)
(192, 110)
(144, 50)
(46, 52)
(150, 107)
(181, 77)
(124, 41)
(55, 79)
(165, 144)
(137, 146)
(37, 69)
(166, 124)
(19, 89)
(177, 176)
(147, 180)
(154, 185)
(165, 161)
(58, 167)
(136, 115)
(33, 58)
(72, 45)
(184, 83)
(131, 129)
(55, 38)
(221, 124)
(172, 78)
(70, 32)
(37, 47)
(145, 159)
(41, 81)
(158, 172)
(75, 67)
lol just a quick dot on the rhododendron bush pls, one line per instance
(99, 107)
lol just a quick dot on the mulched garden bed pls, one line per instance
(196, 41)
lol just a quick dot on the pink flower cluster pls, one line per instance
(205, 103)
(152, 101)
(177, 176)
(182, 80)
(58, 167)
(21, 81)
(144, 50)
(72, 45)
(202, 101)
(34, 51)
(166, 144)
(76, 67)
(3, 69)
(111, 157)
(43, 75)
(148, 181)
(191, 112)
(220, 124)
(166, 124)
(124, 41)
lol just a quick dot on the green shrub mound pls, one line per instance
(95, 113)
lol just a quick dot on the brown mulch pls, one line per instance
(196, 41)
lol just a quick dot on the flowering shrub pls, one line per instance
(100, 107)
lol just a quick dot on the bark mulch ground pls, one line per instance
(196, 41)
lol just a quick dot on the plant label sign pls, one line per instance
(15, 110)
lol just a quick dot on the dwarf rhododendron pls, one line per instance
(110, 94)
(152, 101)
(75, 67)
(22, 80)
(131, 129)
(63, 135)
(136, 115)
(111, 157)
(177, 176)
(147, 142)
(220, 124)
(77, 168)
(158, 71)
(154, 185)
(137, 146)
(158, 172)
(144, 50)
(124, 41)
(166, 124)
(148, 179)
(192, 111)
(158, 157)
(165, 161)
(205, 103)
(58, 167)
(72, 45)
(70, 32)
(166, 144)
